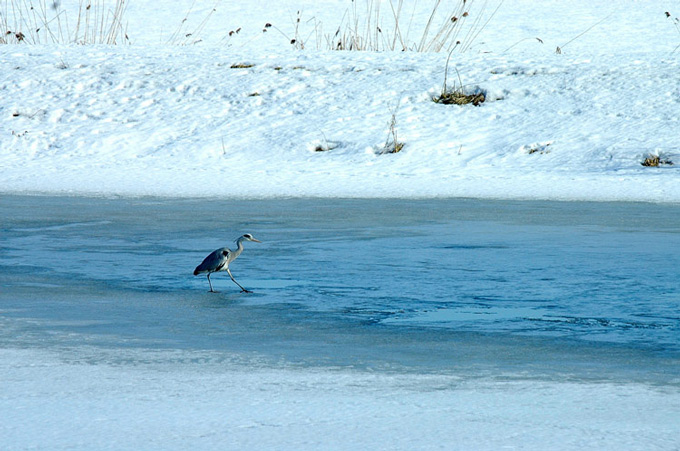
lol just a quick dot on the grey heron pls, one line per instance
(219, 260)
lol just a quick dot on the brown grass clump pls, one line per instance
(458, 97)
(654, 161)
(241, 66)
(395, 148)
(457, 94)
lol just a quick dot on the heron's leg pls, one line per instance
(232, 278)
(211, 288)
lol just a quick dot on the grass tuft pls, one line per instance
(392, 143)
(654, 161)
(457, 94)
(458, 97)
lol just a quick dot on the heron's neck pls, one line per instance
(239, 248)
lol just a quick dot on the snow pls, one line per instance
(162, 400)
(180, 121)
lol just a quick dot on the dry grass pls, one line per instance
(296, 39)
(395, 147)
(676, 24)
(42, 22)
(392, 143)
(457, 95)
(654, 161)
(390, 25)
(94, 22)
(560, 48)
(187, 33)
(540, 148)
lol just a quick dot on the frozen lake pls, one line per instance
(508, 292)
(352, 282)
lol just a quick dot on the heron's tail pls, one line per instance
(196, 271)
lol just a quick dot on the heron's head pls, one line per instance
(249, 237)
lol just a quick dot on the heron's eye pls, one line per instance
(225, 253)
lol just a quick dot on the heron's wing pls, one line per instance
(222, 265)
(213, 262)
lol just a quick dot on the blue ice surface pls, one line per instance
(444, 283)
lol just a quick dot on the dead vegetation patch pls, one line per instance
(392, 143)
(540, 148)
(458, 97)
(654, 161)
(394, 147)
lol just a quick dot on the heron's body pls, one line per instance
(219, 260)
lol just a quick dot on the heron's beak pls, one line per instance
(257, 241)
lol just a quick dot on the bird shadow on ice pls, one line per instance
(257, 288)
(218, 299)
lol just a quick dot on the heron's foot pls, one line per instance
(246, 291)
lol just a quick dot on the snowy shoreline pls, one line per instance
(241, 115)
(131, 122)
(60, 404)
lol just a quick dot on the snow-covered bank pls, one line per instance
(148, 400)
(241, 115)
(184, 122)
